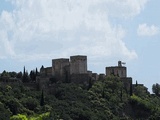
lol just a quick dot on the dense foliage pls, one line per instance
(156, 89)
(103, 100)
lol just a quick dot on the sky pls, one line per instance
(33, 32)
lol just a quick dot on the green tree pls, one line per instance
(19, 75)
(25, 77)
(13, 74)
(53, 80)
(30, 103)
(33, 75)
(156, 89)
(89, 83)
(36, 71)
(14, 105)
(19, 117)
(5, 74)
(4, 113)
(131, 89)
(140, 91)
(42, 99)
(136, 83)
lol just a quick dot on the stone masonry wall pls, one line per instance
(78, 64)
(58, 67)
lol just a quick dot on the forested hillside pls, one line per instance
(102, 100)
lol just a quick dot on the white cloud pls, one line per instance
(146, 30)
(6, 47)
(123, 8)
(58, 28)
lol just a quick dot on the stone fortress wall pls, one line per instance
(75, 70)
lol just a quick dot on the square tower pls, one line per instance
(59, 67)
(119, 70)
(78, 64)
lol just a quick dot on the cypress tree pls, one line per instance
(42, 99)
(131, 92)
(24, 75)
(36, 72)
(31, 75)
(136, 83)
(103, 88)
(121, 94)
(24, 71)
(90, 83)
(103, 93)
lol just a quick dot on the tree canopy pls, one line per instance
(103, 99)
(156, 89)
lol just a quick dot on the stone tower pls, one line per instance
(78, 64)
(119, 70)
(59, 67)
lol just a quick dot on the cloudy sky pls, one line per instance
(32, 32)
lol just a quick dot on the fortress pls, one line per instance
(67, 70)
(75, 70)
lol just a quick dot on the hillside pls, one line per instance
(102, 100)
